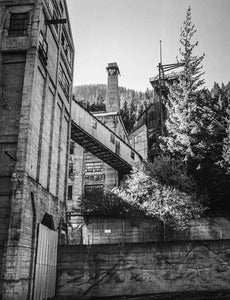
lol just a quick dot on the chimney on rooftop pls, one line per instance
(112, 97)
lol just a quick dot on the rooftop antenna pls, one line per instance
(160, 52)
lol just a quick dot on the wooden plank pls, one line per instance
(45, 272)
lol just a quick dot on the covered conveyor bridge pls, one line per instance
(94, 136)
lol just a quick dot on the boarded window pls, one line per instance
(18, 24)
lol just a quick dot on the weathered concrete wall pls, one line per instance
(34, 136)
(21, 248)
(142, 269)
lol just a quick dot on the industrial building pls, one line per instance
(87, 172)
(36, 63)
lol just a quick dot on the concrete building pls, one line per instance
(36, 70)
(88, 173)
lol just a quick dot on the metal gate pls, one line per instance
(46, 262)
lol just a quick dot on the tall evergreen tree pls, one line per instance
(225, 162)
(183, 124)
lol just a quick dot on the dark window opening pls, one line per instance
(94, 188)
(71, 150)
(70, 192)
(132, 155)
(117, 150)
(71, 170)
(152, 117)
(48, 221)
(19, 24)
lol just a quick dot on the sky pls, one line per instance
(129, 32)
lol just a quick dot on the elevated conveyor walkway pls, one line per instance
(94, 136)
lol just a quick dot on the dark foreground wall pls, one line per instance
(144, 268)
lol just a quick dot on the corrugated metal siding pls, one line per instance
(45, 272)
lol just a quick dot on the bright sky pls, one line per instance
(128, 32)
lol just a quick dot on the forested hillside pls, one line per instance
(133, 103)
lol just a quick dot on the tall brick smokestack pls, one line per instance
(112, 97)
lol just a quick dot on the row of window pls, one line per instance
(19, 26)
